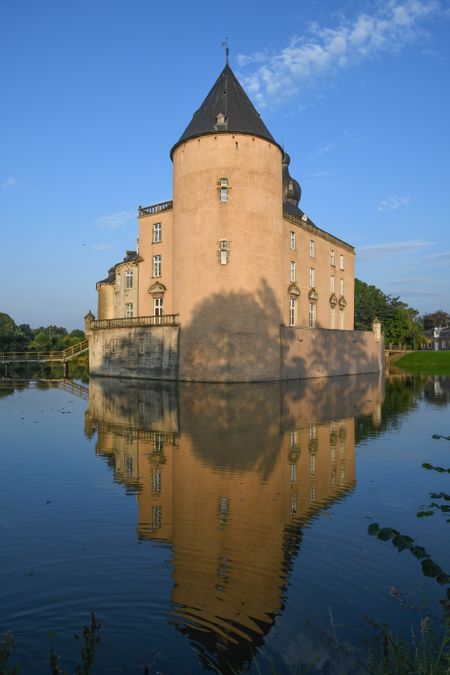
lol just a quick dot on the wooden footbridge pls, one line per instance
(62, 356)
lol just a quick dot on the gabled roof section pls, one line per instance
(227, 108)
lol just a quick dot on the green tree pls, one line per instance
(437, 318)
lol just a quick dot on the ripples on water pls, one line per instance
(205, 524)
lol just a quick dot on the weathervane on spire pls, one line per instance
(227, 49)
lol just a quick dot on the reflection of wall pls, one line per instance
(231, 487)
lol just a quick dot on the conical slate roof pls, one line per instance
(227, 108)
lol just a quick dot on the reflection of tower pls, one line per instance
(231, 488)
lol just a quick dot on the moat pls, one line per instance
(219, 527)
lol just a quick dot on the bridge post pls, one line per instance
(6, 369)
(66, 369)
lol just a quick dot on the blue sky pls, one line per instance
(95, 93)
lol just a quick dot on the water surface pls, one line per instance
(217, 525)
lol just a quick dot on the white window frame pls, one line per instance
(156, 233)
(333, 258)
(129, 310)
(223, 192)
(293, 241)
(223, 249)
(312, 315)
(312, 248)
(129, 279)
(341, 262)
(312, 277)
(156, 265)
(292, 311)
(341, 287)
(158, 306)
(293, 271)
(332, 284)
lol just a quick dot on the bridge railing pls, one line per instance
(131, 322)
(36, 357)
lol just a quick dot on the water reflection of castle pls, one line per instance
(227, 474)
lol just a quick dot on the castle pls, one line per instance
(231, 281)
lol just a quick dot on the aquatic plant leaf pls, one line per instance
(374, 528)
(427, 466)
(443, 579)
(440, 495)
(423, 514)
(430, 569)
(419, 552)
(387, 533)
(402, 541)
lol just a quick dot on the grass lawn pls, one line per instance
(437, 363)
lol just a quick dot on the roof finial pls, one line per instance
(227, 49)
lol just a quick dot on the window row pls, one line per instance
(312, 311)
(312, 278)
(158, 308)
(312, 250)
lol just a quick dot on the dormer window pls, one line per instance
(221, 122)
(223, 187)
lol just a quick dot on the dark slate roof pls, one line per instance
(131, 256)
(226, 97)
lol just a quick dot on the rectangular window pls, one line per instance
(128, 279)
(128, 310)
(293, 271)
(293, 241)
(293, 311)
(157, 233)
(223, 251)
(158, 304)
(341, 262)
(332, 317)
(333, 258)
(341, 286)
(341, 319)
(156, 265)
(312, 249)
(311, 277)
(312, 315)
(224, 189)
(332, 286)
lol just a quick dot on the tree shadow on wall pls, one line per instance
(343, 352)
(233, 337)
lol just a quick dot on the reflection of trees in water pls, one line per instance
(401, 395)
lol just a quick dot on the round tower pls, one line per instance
(227, 240)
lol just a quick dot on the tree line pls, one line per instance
(400, 323)
(23, 338)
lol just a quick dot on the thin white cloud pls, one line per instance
(115, 221)
(279, 74)
(438, 257)
(393, 203)
(391, 248)
(101, 247)
(9, 182)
